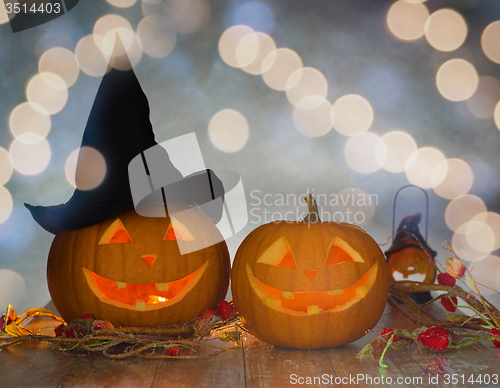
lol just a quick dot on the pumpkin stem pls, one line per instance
(312, 206)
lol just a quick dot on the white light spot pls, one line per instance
(420, 166)
(228, 130)
(352, 114)
(457, 80)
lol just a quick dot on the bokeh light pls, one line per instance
(407, 20)
(352, 114)
(486, 272)
(6, 167)
(4, 16)
(483, 101)
(462, 209)
(363, 153)
(491, 219)
(47, 93)
(6, 204)
(247, 49)
(12, 288)
(105, 32)
(228, 130)
(311, 116)
(91, 168)
(188, 16)
(457, 79)
(461, 243)
(496, 115)
(455, 177)
(60, 61)
(446, 30)
(265, 44)
(489, 41)
(398, 146)
(306, 82)
(229, 42)
(420, 166)
(24, 120)
(480, 236)
(122, 3)
(30, 159)
(278, 65)
(90, 57)
(158, 37)
(130, 52)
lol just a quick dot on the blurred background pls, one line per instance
(349, 100)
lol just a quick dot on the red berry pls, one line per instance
(86, 316)
(173, 351)
(207, 313)
(69, 332)
(496, 332)
(100, 324)
(445, 279)
(59, 330)
(435, 338)
(225, 310)
(390, 332)
(448, 305)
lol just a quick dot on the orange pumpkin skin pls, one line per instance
(144, 265)
(328, 300)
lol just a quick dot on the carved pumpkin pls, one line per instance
(309, 285)
(128, 269)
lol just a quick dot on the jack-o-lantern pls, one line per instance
(129, 270)
(309, 285)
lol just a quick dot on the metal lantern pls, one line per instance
(410, 258)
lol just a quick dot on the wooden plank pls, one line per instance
(95, 370)
(223, 370)
(33, 365)
(274, 367)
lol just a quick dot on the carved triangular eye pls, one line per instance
(177, 231)
(115, 234)
(340, 251)
(279, 254)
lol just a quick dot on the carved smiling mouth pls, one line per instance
(313, 302)
(142, 297)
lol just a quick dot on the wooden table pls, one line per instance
(254, 365)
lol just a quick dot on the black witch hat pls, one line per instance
(119, 128)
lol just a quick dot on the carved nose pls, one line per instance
(149, 259)
(311, 274)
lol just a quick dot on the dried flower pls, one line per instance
(445, 279)
(448, 304)
(435, 338)
(455, 267)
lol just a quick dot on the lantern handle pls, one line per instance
(426, 209)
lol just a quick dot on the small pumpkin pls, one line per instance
(311, 284)
(128, 269)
